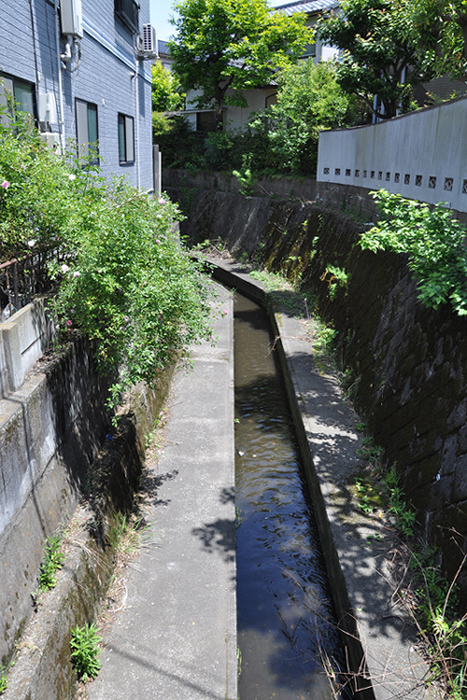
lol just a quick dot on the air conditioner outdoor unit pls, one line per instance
(148, 42)
(53, 141)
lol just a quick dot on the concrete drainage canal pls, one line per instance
(287, 631)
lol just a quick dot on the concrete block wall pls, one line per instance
(421, 155)
(23, 339)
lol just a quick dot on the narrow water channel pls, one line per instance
(285, 616)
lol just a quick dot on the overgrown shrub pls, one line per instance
(122, 276)
(434, 243)
(280, 139)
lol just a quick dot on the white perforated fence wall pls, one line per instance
(422, 155)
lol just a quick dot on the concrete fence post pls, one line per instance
(157, 169)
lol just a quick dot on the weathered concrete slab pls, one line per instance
(176, 636)
(23, 339)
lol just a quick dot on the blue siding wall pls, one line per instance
(105, 71)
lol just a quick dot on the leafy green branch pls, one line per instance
(434, 243)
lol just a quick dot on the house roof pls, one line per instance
(309, 7)
(162, 47)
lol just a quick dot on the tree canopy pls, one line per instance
(439, 29)
(222, 47)
(379, 52)
(166, 96)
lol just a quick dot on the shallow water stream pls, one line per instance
(286, 622)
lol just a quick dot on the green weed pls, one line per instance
(85, 650)
(3, 680)
(335, 277)
(125, 533)
(51, 563)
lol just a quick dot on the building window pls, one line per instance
(86, 131)
(206, 121)
(127, 11)
(126, 139)
(21, 92)
(309, 51)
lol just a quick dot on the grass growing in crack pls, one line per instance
(84, 644)
(3, 680)
(126, 533)
(399, 508)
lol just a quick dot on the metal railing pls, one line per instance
(23, 278)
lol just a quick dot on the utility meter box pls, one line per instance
(71, 18)
(47, 107)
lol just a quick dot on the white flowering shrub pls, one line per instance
(124, 279)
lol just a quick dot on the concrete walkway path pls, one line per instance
(175, 638)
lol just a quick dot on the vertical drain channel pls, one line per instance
(286, 622)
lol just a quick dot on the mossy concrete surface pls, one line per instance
(56, 445)
(43, 666)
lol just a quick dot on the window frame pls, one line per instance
(131, 21)
(16, 83)
(126, 146)
(83, 144)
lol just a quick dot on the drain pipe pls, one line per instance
(61, 123)
(138, 164)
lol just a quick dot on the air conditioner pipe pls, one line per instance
(66, 57)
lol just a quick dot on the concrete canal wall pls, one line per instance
(52, 427)
(406, 364)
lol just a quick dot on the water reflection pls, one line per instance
(285, 617)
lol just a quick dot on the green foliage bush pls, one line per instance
(166, 94)
(280, 139)
(308, 101)
(122, 276)
(434, 243)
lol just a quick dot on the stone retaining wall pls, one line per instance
(406, 364)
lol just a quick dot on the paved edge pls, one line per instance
(380, 637)
(176, 636)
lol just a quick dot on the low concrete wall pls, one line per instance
(51, 430)
(23, 339)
